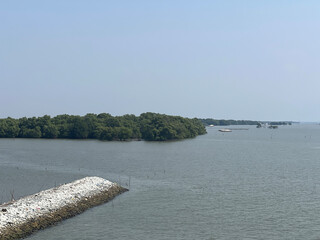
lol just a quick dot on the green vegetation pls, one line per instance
(280, 123)
(148, 126)
(216, 122)
(222, 122)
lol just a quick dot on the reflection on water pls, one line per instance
(255, 184)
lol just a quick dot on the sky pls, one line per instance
(228, 59)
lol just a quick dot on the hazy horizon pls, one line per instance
(243, 60)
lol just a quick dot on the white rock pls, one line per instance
(39, 204)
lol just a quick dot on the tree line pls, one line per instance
(103, 126)
(280, 123)
(222, 122)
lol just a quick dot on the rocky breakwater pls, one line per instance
(31, 213)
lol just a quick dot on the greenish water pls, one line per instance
(255, 184)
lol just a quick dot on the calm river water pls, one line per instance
(249, 184)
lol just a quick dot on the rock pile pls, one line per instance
(26, 215)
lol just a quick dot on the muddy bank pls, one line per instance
(26, 215)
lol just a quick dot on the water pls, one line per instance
(255, 184)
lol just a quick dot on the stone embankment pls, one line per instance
(26, 215)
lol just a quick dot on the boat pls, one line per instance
(225, 130)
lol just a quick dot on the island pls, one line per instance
(148, 126)
(224, 122)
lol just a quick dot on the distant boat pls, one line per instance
(211, 125)
(225, 130)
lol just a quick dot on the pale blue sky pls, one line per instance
(237, 59)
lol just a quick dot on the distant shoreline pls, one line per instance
(223, 122)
